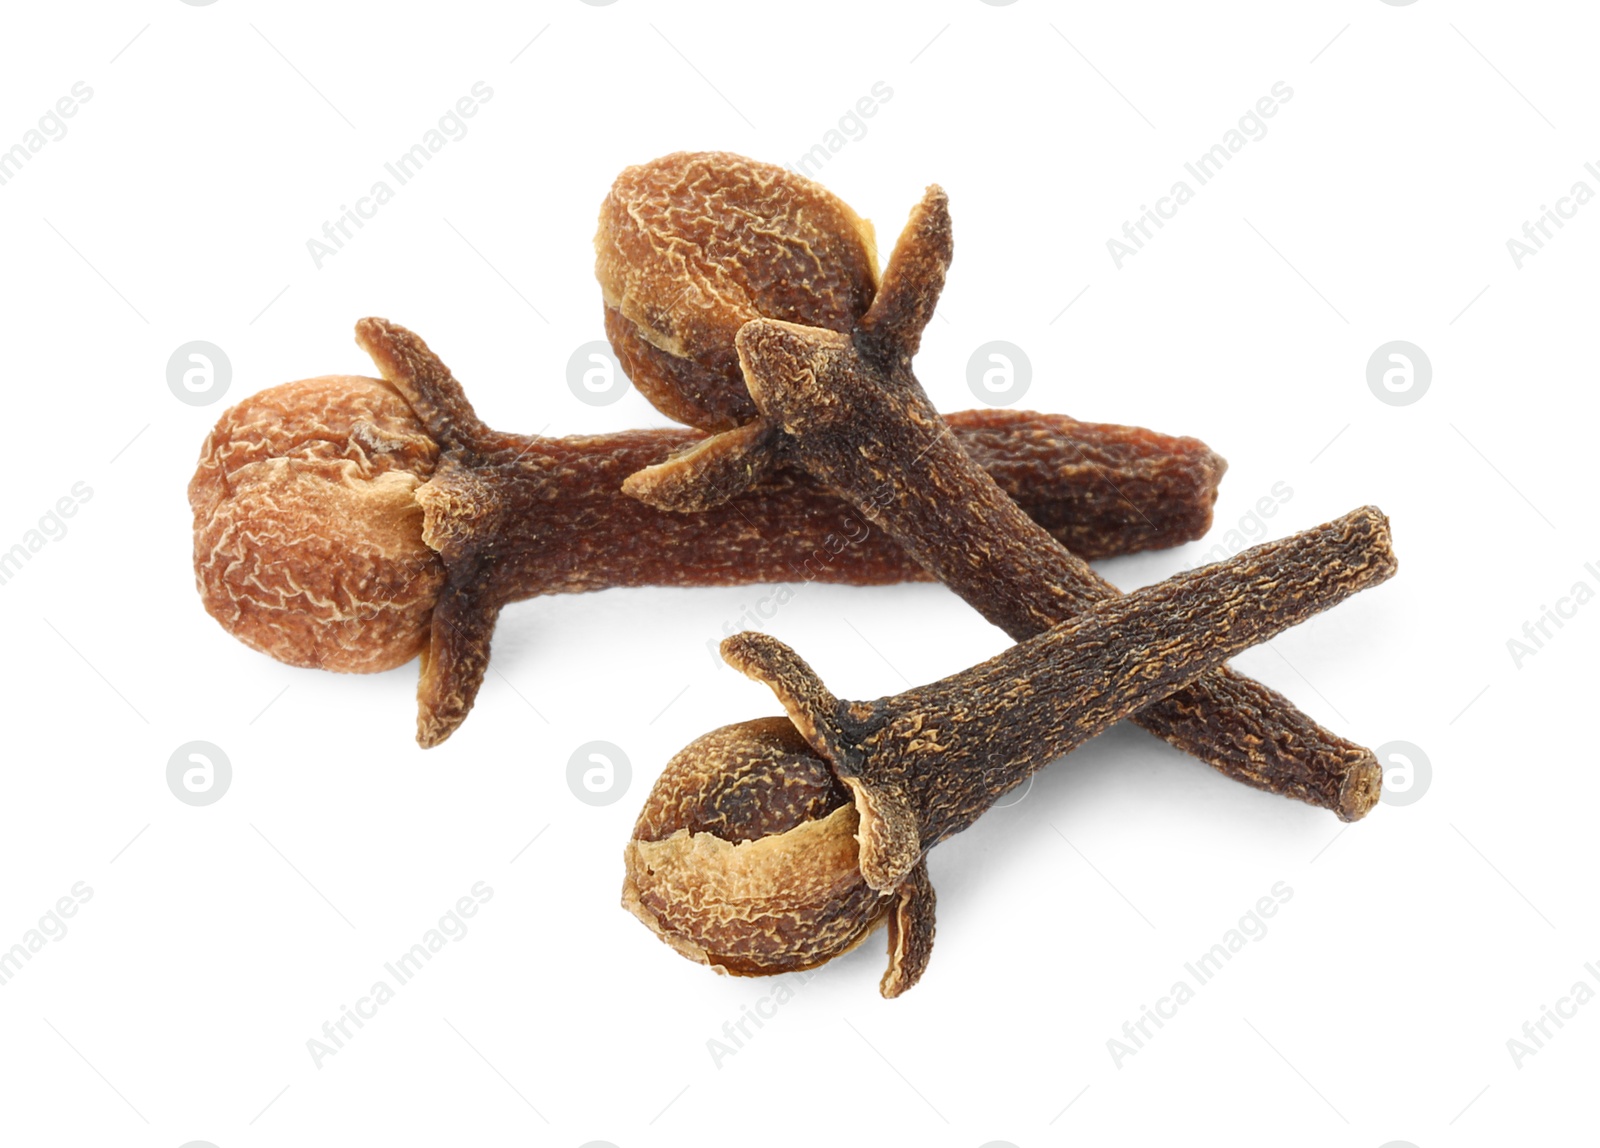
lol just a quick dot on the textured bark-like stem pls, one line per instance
(927, 763)
(957, 745)
(515, 516)
(775, 845)
(926, 492)
(851, 412)
(564, 525)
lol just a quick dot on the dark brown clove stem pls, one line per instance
(848, 409)
(351, 524)
(923, 765)
(569, 527)
(487, 477)
(954, 747)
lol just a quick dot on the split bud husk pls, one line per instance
(745, 858)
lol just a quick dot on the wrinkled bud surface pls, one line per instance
(745, 856)
(308, 535)
(693, 245)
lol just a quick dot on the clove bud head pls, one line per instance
(745, 856)
(694, 245)
(308, 536)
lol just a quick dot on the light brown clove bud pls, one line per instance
(308, 535)
(693, 245)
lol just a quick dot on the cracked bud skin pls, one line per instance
(308, 536)
(693, 245)
(745, 858)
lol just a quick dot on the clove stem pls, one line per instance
(747, 859)
(351, 524)
(848, 409)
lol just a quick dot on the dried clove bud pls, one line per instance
(693, 245)
(351, 524)
(845, 407)
(775, 845)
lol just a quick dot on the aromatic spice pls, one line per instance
(693, 245)
(774, 845)
(846, 407)
(350, 524)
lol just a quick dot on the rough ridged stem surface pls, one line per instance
(847, 408)
(750, 855)
(332, 516)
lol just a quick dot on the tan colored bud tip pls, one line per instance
(694, 245)
(307, 532)
(745, 856)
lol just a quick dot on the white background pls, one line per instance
(219, 939)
